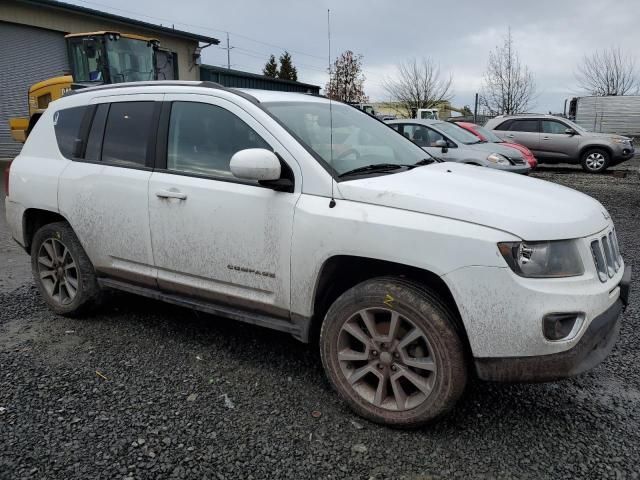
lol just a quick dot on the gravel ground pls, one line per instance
(146, 390)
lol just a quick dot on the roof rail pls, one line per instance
(77, 88)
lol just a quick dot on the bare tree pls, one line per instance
(418, 84)
(346, 82)
(608, 72)
(508, 87)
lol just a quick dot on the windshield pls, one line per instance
(457, 133)
(488, 135)
(358, 139)
(129, 60)
(575, 126)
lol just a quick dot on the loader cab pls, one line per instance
(111, 57)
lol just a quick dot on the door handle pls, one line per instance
(171, 194)
(510, 135)
(546, 138)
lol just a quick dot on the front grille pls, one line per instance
(606, 255)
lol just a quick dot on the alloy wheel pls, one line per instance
(595, 161)
(387, 359)
(57, 271)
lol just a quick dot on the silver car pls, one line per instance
(554, 139)
(451, 143)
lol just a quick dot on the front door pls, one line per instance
(555, 143)
(215, 236)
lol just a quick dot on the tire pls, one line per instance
(595, 160)
(62, 271)
(437, 343)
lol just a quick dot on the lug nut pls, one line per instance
(396, 355)
(384, 345)
(394, 368)
(380, 367)
(374, 353)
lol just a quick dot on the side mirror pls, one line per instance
(442, 144)
(255, 164)
(570, 131)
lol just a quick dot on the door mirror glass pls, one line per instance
(255, 164)
(441, 144)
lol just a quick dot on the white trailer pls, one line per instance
(614, 114)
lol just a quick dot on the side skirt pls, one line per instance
(299, 330)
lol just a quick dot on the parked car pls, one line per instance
(450, 143)
(488, 136)
(554, 139)
(411, 274)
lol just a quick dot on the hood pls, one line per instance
(490, 148)
(529, 208)
(603, 135)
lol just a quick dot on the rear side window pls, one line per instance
(94, 141)
(524, 126)
(504, 125)
(126, 134)
(66, 124)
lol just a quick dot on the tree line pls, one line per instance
(508, 85)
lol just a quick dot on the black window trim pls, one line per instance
(85, 129)
(162, 145)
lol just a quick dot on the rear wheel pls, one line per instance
(391, 350)
(62, 271)
(595, 160)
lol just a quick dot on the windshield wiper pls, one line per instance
(376, 167)
(425, 161)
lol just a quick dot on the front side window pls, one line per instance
(358, 139)
(66, 124)
(529, 126)
(203, 138)
(126, 134)
(457, 133)
(551, 126)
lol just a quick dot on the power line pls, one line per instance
(172, 22)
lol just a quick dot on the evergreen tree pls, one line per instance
(271, 68)
(287, 70)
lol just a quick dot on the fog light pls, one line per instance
(558, 326)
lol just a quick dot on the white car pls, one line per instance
(411, 274)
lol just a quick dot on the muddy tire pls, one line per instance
(595, 160)
(391, 350)
(62, 271)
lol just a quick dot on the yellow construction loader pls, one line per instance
(95, 58)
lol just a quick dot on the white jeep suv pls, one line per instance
(287, 212)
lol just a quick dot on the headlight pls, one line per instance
(621, 140)
(558, 258)
(499, 159)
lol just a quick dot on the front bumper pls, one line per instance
(594, 346)
(624, 152)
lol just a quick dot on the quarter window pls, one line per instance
(204, 137)
(66, 124)
(126, 135)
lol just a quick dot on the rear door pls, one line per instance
(555, 143)
(104, 194)
(525, 131)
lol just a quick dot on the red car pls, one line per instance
(488, 136)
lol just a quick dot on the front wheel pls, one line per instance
(391, 350)
(62, 271)
(595, 160)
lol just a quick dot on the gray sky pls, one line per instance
(550, 36)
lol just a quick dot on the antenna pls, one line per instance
(332, 203)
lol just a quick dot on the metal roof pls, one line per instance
(67, 7)
(240, 73)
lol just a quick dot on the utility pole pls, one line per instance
(228, 49)
(475, 110)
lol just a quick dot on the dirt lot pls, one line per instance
(146, 390)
